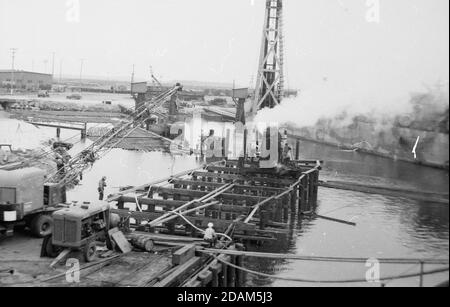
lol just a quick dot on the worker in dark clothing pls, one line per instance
(287, 154)
(101, 188)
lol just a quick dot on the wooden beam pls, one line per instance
(257, 207)
(146, 186)
(230, 177)
(200, 183)
(194, 193)
(174, 204)
(180, 273)
(152, 201)
(202, 222)
(207, 197)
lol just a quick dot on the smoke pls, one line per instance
(338, 107)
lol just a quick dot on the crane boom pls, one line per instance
(79, 163)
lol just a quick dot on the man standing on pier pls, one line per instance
(101, 188)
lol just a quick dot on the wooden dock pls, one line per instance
(245, 204)
(257, 203)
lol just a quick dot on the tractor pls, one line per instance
(79, 228)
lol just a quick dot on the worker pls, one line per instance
(210, 235)
(101, 188)
(284, 152)
(288, 155)
(59, 159)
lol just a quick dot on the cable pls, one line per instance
(201, 230)
(329, 259)
(293, 279)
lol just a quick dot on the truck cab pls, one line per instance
(26, 200)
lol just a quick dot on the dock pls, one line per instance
(257, 203)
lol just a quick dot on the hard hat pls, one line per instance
(210, 225)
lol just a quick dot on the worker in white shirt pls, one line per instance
(210, 235)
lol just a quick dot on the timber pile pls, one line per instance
(257, 203)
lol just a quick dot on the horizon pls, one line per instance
(330, 45)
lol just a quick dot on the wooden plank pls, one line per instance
(182, 255)
(230, 177)
(146, 186)
(180, 273)
(194, 193)
(200, 183)
(119, 270)
(174, 204)
(202, 222)
(152, 201)
(147, 274)
(121, 241)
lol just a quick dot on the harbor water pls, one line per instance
(387, 227)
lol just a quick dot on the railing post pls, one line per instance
(422, 266)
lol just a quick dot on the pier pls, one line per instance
(258, 204)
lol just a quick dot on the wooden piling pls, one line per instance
(239, 273)
(231, 274)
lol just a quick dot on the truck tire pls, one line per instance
(90, 251)
(41, 225)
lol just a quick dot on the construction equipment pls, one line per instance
(28, 196)
(79, 227)
(270, 82)
(26, 201)
(79, 163)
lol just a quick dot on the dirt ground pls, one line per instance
(20, 261)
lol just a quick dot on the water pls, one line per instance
(386, 226)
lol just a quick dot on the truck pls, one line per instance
(26, 201)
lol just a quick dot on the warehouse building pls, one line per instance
(25, 80)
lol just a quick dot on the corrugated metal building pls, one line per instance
(25, 80)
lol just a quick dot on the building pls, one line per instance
(25, 80)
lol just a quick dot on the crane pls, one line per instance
(79, 163)
(270, 80)
(154, 78)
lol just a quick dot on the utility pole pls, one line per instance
(13, 83)
(53, 64)
(81, 72)
(132, 81)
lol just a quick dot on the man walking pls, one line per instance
(101, 188)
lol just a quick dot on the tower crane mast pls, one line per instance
(270, 80)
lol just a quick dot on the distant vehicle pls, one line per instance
(74, 96)
(43, 94)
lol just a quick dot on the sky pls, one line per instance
(374, 45)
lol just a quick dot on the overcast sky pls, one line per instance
(219, 40)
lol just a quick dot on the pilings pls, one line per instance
(268, 200)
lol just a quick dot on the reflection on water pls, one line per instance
(386, 226)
